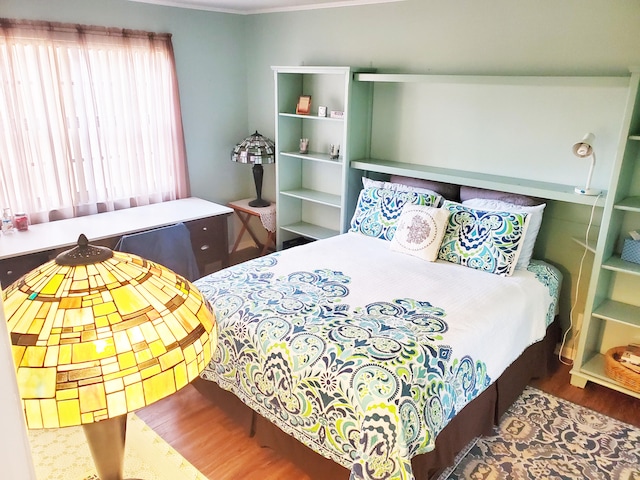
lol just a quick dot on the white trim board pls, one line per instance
(253, 7)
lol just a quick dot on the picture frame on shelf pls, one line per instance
(336, 114)
(304, 105)
(322, 111)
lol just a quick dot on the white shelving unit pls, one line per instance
(314, 191)
(612, 313)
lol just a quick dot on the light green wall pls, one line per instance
(446, 36)
(210, 50)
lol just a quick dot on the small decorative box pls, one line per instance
(631, 250)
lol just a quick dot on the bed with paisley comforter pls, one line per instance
(365, 355)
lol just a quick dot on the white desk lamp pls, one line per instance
(584, 149)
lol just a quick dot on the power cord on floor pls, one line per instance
(575, 301)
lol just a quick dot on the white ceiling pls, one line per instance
(246, 7)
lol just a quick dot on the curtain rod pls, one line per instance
(79, 28)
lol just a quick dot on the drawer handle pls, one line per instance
(9, 272)
(204, 247)
(204, 228)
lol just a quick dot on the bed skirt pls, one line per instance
(475, 419)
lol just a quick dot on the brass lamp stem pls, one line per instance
(106, 442)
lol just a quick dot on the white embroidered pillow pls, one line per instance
(420, 231)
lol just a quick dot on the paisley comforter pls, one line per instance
(364, 354)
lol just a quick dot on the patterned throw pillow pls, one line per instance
(484, 240)
(420, 231)
(535, 221)
(378, 210)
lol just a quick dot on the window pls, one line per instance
(89, 120)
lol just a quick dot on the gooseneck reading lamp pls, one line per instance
(584, 149)
(255, 149)
(96, 334)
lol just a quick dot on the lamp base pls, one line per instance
(257, 178)
(587, 191)
(106, 443)
(259, 202)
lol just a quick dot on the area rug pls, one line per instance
(63, 454)
(544, 437)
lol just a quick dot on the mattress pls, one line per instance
(365, 354)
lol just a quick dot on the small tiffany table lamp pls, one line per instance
(256, 149)
(96, 334)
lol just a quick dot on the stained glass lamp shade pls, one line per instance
(96, 334)
(256, 149)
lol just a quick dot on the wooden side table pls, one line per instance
(267, 216)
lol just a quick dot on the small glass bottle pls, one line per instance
(7, 222)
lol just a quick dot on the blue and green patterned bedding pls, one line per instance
(365, 354)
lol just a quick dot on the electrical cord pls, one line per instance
(575, 301)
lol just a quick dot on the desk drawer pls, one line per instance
(11, 269)
(209, 240)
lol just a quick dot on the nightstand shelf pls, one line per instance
(593, 370)
(630, 204)
(619, 312)
(616, 264)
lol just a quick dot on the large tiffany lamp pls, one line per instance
(96, 334)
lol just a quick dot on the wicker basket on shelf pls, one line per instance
(618, 372)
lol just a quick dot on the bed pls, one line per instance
(374, 362)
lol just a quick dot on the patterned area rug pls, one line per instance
(544, 437)
(63, 454)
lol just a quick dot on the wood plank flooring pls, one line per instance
(217, 447)
(202, 433)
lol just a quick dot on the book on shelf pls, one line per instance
(631, 366)
(631, 354)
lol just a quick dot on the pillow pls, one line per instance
(447, 190)
(368, 183)
(535, 220)
(420, 231)
(484, 240)
(467, 193)
(378, 210)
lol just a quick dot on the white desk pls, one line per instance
(207, 223)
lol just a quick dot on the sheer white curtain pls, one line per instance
(89, 120)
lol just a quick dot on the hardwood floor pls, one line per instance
(596, 397)
(212, 442)
(217, 447)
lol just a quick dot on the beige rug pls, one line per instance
(63, 454)
(542, 436)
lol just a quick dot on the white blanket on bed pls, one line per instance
(365, 354)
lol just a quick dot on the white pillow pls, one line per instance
(370, 183)
(398, 187)
(535, 220)
(420, 231)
